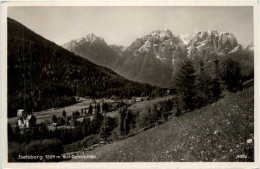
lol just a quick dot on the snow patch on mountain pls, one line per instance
(92, 38)
(185, 38)
(211, 42)
(162, 43)
(235, 49)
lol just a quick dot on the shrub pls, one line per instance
(148, 116)
(90, 140)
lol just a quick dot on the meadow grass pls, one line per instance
(139, 106)
(222, 131)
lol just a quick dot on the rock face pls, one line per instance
(156, 57)
(250, 46)
(206, 44)
(94, 49)
(151, 58)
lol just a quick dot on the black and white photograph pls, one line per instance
(137, 83)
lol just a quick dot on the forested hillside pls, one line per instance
(42, 74)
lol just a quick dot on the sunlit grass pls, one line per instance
(223, 131)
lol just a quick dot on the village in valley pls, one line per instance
(69, 117)
(55, 118)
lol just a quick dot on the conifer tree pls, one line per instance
(216, 84)
(54, 118)
(121, 121)
(105, 130)
(98, 117)
(231, 74)
(90, 109)
(185, 83)
(128, 121)
(64, 113)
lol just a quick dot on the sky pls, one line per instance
(122, 25)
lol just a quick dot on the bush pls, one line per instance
(148, 116)
(90, 140)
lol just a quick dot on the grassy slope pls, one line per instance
(217, 132)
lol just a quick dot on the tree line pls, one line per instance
(196, 88)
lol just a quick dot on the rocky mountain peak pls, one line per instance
(211, 42)
(94, 49)
(161, 34)
(161, 43)
(155, 57)
(92, 38)
(250, 46)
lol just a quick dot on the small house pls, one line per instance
(168, 91)
(138, 99)
(146, 98)
(20, 113)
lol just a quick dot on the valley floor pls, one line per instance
(222, 131)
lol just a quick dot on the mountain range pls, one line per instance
(44, 75)
(155, 57)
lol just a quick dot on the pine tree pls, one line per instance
(105, 107)
(64, 113)
(216, 90)
(217, 71)
(105, 130)
(54, 118)
(203, 85)
(67, 121)
(98, 117)
(90, 109)
(155, 113)
(126, 126)
(185, 83)
(146, 117)
(121, 121)
(98, 109)
(216, 84)
(128, 121)
(231, 74)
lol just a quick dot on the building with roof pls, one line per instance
(25, 120)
